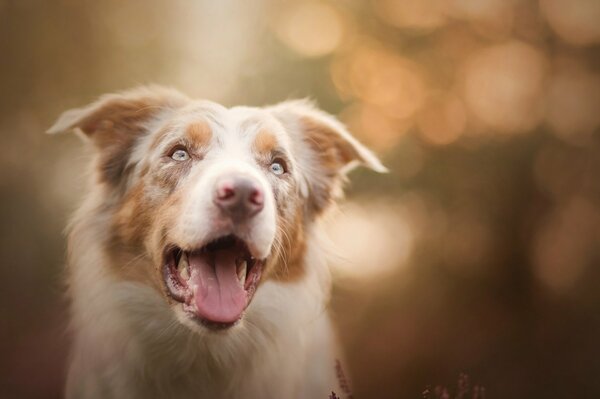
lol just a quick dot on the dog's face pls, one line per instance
(213, 200)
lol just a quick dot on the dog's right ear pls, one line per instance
(115, 117)
(115, 121)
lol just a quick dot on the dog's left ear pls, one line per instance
(330, 151)
(115, 121)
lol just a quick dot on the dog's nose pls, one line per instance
(238, 197)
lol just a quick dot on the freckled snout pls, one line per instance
(239, 197)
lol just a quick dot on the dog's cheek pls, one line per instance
(168, 178)
(134, 216)
(149, 205)
(288, 264)
(163, 227)
(131, 224)
(325, 180)
(295, 267)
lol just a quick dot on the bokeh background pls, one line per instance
(478, 252)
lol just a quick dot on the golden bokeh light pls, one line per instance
(207, 67)
(373, 126)
(442, 120)
(370, 239)
(489, 18)
(384, 79)
(422, 15)
(312, 29)
(573, 101)
(576, 21)
(503, 86)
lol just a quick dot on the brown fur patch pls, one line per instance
(128, 265)
(132, 224)
(133, 218)
(333, 152)
(288, 265)
(116, 121)
(169, 178)
(199, 134)
(265, 142)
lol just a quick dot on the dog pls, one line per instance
(196, 265)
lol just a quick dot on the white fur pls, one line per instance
(130, 344)
(199, 220)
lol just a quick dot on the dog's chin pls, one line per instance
(212, 285)
(202, 327)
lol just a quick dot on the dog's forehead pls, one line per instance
(232, 124)
(237, 131)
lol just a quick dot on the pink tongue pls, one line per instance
(218, 294)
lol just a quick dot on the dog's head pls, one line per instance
(213, 200)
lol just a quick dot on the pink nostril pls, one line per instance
(256, 197)
(225, 191)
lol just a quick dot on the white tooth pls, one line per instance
(241, 271)
(182, 267)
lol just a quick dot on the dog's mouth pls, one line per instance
(215, 283)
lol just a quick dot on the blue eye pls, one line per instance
(277, 167)
(180, 155)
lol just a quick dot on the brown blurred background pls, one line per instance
(478, 253)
